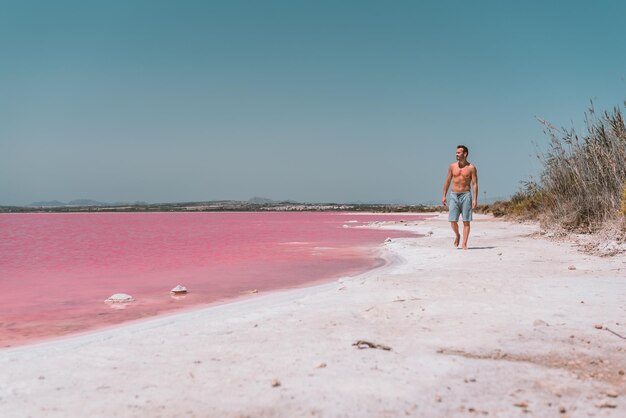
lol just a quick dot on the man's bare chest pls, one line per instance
(464, 172)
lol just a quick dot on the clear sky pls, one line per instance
(305, 100)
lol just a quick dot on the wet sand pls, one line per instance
(516, 325)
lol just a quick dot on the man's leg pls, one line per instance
(454, 211)
(466, 231)
(455, 228)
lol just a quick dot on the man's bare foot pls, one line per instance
(456, 240)
(465, 247)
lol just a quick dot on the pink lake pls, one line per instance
(56, 269)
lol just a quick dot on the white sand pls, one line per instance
(472, 333)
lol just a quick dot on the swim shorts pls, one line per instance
(460, 203)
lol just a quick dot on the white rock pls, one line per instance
(388, 240)
(120, 298)
(179, 289)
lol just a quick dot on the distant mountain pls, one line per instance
(47, 203)
(137, 203)
(86, 202)
(260, 201)
(77, 202)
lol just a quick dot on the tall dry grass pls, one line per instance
(624, 201)
(582, 183)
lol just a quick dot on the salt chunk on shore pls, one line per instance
(179, 289)
(120, 298)
(388, 240)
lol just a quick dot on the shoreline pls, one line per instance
(243, 302)
(516, 324)
(213, 278)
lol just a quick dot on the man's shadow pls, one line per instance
(478, 248)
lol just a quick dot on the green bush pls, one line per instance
(527, 202)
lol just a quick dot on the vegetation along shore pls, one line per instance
(581, 190)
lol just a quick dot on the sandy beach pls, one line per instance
(518, 325)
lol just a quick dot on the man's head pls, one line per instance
(461, 153)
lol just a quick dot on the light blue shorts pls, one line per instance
(460, 203)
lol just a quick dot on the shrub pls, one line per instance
(527, 202)
(583, 177)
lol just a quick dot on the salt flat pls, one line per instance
(517, 325)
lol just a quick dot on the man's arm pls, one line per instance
(475, 187)
(446, 185)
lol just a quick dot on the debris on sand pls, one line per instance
(606, 403)
(361, 344)
(275, 383)
(615, 333)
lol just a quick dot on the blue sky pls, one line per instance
(305, 100)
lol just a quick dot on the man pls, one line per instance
(462, 174)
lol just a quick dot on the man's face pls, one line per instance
(460, 154)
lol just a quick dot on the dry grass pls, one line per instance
(623, 209)
(497, 209)
(582, 187)
(583, 177)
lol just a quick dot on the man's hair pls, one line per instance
(465, 150)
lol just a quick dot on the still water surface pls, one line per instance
(56, 269)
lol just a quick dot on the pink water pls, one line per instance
(56, 270)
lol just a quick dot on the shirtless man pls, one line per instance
(462, 174)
